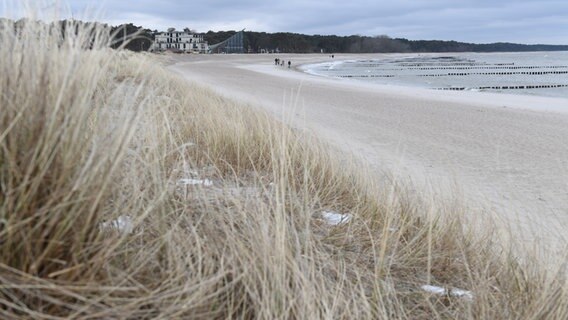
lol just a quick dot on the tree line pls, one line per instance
(285, 42)
(256, 42)
(137, 38)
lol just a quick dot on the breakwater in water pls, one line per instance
(534, 73)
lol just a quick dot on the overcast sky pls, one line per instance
(480, 21)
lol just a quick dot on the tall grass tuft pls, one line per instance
(127, 192)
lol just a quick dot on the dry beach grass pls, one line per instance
(128, 193)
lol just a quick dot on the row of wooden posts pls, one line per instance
(545, 86)
(531, 73)
(465, 68)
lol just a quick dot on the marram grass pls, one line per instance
(91, 136)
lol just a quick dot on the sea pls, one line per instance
(530, 73)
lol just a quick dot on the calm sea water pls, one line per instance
(534, 73)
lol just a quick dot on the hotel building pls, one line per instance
(184, 41)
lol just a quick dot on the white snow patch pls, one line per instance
(334, 218)
(122, 224)
(448, 292)
(195, 182)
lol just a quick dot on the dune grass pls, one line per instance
(225, 204)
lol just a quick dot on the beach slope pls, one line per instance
(507, 154)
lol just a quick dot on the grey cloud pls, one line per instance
(528, 21)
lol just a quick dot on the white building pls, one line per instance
(185, 41)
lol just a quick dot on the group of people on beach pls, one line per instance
(278, 62)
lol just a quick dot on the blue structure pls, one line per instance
(234, 44)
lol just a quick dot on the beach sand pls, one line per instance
(503, 154)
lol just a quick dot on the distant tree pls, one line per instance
(131, 37)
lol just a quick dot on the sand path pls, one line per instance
(507, 153)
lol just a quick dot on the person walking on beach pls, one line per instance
(289, 64)
(276, 61)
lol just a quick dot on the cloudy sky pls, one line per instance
(481, 21)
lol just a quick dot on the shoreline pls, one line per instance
(505, 153)
(494, 99)
(486, 61)
(485, 99)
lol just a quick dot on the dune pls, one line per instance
(129, 192)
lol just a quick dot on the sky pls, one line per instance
(479, 21)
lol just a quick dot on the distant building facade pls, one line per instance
(184, 41)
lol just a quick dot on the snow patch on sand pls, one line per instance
(196, 182)
(454, 292)
(334, 218)
(122, 224)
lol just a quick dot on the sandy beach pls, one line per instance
(504, 154)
